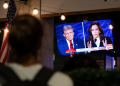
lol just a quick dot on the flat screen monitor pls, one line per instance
(84, 37)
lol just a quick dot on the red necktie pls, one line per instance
(71, 47)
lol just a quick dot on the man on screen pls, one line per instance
(69, 42)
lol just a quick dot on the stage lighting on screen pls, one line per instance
(111, 26)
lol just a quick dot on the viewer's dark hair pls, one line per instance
(25, 35)
(100, 29)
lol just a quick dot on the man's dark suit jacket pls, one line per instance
(63, 46)
(101, 43)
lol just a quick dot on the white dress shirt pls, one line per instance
(97, 42)
(68, 42)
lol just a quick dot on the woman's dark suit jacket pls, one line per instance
(101, 43)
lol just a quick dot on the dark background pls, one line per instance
(2, 26)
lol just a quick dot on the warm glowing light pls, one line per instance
(5, 5)
(110, 26)
(35, 11)
(62, 17)
(6, 30)
(114, 62)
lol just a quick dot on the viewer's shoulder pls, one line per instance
(60, 79)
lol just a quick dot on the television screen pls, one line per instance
(84, 37)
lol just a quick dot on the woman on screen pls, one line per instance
(96, 36)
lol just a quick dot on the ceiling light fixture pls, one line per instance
(5, 5)
(62, 17)
(35, 11)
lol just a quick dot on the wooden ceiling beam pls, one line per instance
(75, 13)
(2, 19)
(81, 12)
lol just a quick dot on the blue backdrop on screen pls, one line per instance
(78, 29)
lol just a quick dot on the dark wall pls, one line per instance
(2, 25)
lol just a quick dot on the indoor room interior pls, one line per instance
(80, 16)
(50, 12)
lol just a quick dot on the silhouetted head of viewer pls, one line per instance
(25, 36)
(79, 61)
